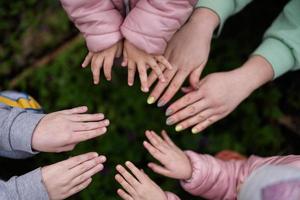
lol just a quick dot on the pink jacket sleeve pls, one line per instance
(98, 20)
(152, 23)
(216, 179)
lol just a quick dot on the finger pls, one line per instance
(153, 76)
(123, 182)
(84, 167)
(86, 117)
(160, 86)
(86, 175)
(87, 126)
(87, 135)
(206, 123)
(156, 141)
(97, 63)
(195, 77)
(108, 63)
(77, 110)
(198, 118)
(131, 72)
(127, 176)
(167, 138)
(155, 67)
(124, 195)
(187, 112)
(87, 60)
(119, 49)
(79, 188)
(143, 77)
(174, 86)
(76, 160)
(135, 171)
(153, 151)
(68, 147)
(164, 61)
(186, 90)
(125, 58)
(159, 169)
(184, 101)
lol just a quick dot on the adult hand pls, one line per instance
(63, 130)
(218, 95)
(187, 52)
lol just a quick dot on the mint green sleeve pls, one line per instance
(281, 44)
(223, 8)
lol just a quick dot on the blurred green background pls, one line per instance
(41, 53)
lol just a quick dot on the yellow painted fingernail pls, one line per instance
(194, 131)
(151, 100)
(178, 128)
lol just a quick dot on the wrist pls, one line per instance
(255, 72)
(205, 19)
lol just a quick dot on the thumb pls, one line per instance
(119, 50)
(195, 77)
(125, 58)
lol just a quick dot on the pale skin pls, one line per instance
(138, 60)
(188, 53)
(103, 59)
(218, 95)
(71, 176)
(137, 185)
(63, 130)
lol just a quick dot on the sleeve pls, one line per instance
(15, 154)
(26, 187)
(152, 23)
(223, 8)
(171, 196)
(281, 44)
(16, 129)
(98, 20)
(216, 179)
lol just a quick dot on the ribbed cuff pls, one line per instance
(278, 54)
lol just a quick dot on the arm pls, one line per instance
(27, 187)
(98, 21)
(163, 19)
(281, 45)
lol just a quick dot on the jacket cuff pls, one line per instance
(21, 131)
(31, 185)
(278, 54)
(223, 9)
(98, 43)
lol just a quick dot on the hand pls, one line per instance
(188, 53)
(175, 164)
(63, 130)
(137, 186)
(104, 58)
(218, 95)
(69, 177)
(136, 58)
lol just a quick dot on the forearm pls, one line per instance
(25, 187)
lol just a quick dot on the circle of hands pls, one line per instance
(204, 102)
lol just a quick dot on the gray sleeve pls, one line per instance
(16, 129)
(25, 187)
(16, 154)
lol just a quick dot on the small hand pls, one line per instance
(175, 164)
(69, 177)
(63, 130)
(140, 60)
(104, 58)
(137, 186)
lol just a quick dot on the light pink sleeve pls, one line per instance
(98, 20)
(171, 196)
(216, 179)
(152, 23)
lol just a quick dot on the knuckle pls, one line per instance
(192, 110)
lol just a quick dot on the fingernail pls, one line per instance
(169, 112)
(106, 122)
(130, 84)
(178, 128)
(151, 100)
(160, 103)
(170, 121)
(195, 131)
(145, 89)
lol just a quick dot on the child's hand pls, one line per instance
(63, 130)
(104, 58)
(136, 58)
(175, 164)
(69, 177)
(137, 186)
